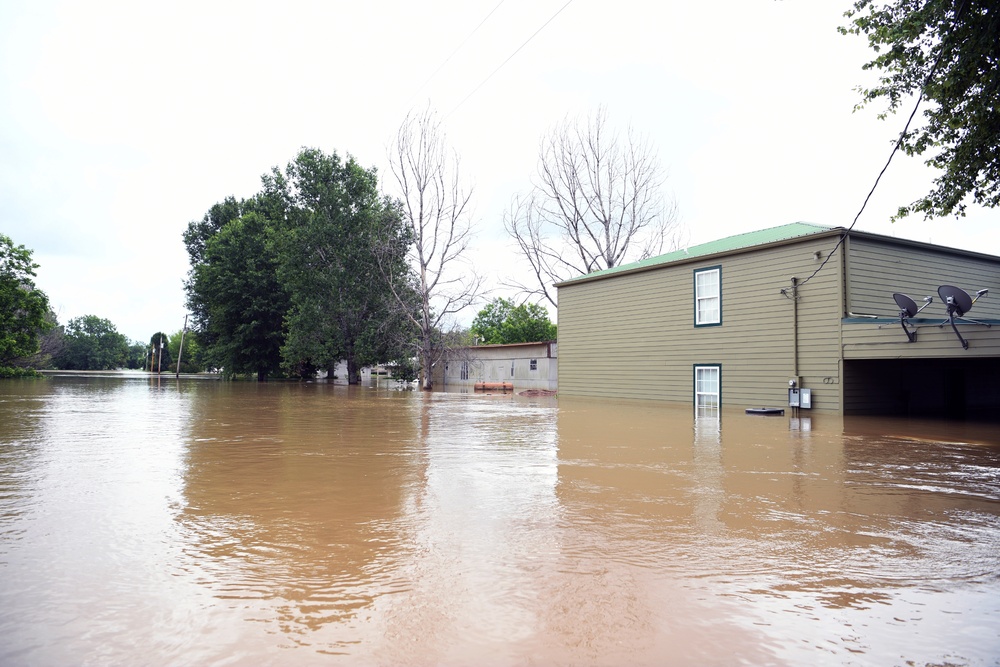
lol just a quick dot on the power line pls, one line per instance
(895, 149)
(483, 83)
(458, 48)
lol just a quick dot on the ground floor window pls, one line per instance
(464, 371)
(533, 365)
(707, 387)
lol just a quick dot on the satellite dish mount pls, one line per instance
(907, 309)
(958, 302)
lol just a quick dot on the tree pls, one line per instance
(342, 304)
(92, 344)
(948, 51)
(24, 308)
(596, 204)
(237, 300)
(137, 357)
(191, 351)
(501, 322)
(203, 286)
(435, 207)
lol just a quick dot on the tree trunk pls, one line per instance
(426, 370)
(331, 371)
(261, 376)
(353, 372)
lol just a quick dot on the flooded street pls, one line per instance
(164, 522)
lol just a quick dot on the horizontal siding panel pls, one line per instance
(878, 269)
(869, 341)
(633, 336)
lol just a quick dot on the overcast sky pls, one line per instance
(121, 122)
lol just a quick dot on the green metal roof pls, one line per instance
(728, 244)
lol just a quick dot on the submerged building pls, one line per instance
(521, 366)
(738, 321)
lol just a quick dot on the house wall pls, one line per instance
(877, 269)
(493, 363)
(884, 373)
(632, 335)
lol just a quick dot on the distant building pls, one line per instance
(523, 365)
(734, 321)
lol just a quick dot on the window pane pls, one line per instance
(706, 387)
(708, 310)
(707, 297)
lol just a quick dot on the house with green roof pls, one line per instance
(734, 323)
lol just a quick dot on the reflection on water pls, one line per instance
(164, 522)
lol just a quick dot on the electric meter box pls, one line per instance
(800, 398)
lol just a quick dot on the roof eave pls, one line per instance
(835, 231)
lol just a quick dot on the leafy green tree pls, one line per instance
(196, 239)
(92, 344)
(501, 322)
(237, 299)
(190, 354)
(23, 307)
(199, 232)
(335, 266)
(949, 50)
(138, 356)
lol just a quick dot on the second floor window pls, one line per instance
(708, 296)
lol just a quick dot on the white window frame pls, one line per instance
(706, 295)
(704, 396)
(533, 365)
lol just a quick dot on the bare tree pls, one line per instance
(597, 203)
(436, 207)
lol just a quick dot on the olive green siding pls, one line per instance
(879, 268)
(884, 373)
(629, 332)
(632, 335)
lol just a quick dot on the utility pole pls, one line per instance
(180, 349)
(159, 361)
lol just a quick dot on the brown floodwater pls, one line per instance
(194, 522)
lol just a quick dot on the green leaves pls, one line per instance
(92, 344)
(303, 274)
(23, 307)
(244, 303)
(949, 49)
(501, 322)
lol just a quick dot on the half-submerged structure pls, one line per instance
(512, 367)
(740, 321)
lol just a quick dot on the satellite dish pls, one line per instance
(907, 306)
(958, 303)
(907, 309)
(956, 299)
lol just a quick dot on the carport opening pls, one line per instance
(944, 388)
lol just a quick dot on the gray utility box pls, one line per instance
(800, 398)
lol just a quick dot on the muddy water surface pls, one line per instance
(199, 522)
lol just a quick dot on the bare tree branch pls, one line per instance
(438, 211)
(597, 203)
